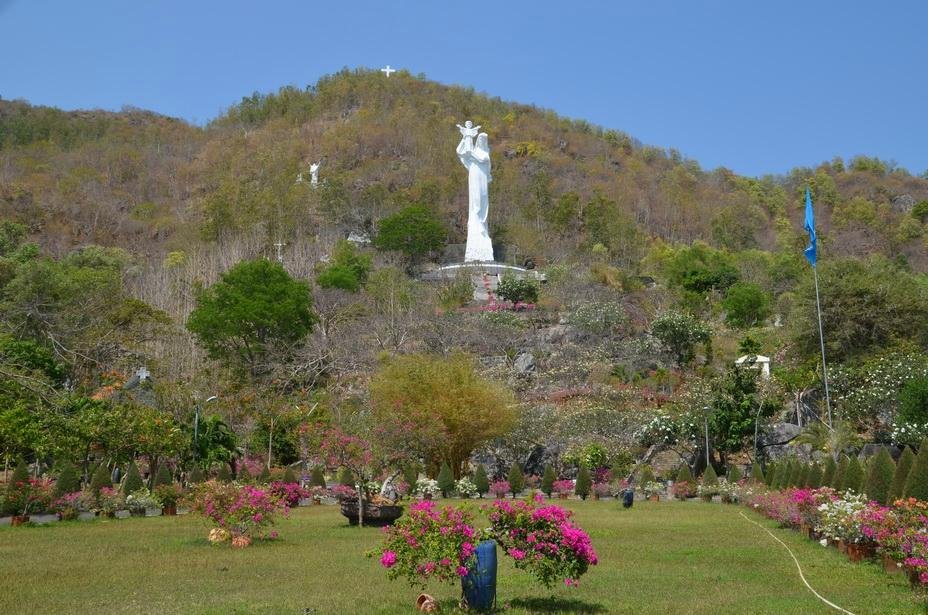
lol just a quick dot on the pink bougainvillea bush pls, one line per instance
(290, 494)
(500, 488)
(542, 540)
(237, 511)
(429, 543)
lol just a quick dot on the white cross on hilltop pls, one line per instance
(386, 71)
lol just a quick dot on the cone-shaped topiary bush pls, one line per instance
(734, 474)
(903, 467)
(757, 474)
(481, 481)
(516, 479)
(771, 474)
(645, 475)
(224, 474)
(445, 480)
(814, 477)
(585, 482)
(853, 476)
(346, 478)
(547, 480)
(916, 485)
(163, 477)
(68, 481)
(803, 475)
(289, 476)
(100, 479)
(828, 472)
(196, 476)
(709, 477)
(265, 476)
(133, 481)
(879, 480)
(411, 474)
(684, 474)
(837, 481)
(317, 478)
(781, 475)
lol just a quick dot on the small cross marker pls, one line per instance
(387, 70)
(280, 256)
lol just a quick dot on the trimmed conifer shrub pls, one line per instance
(803, 475)
(734, 474)
(20, 475)
(317, 478)
(163, 477)
(903, 467)
(265, 476)
(781, 477)
(411, 474)
(757, 473)
(224, 474)
(837, 481)
(68, 481)
(516, 479)
(828, 472)
(645, 475)
(481, 481)
(133, 480)
(445, 480)
(547, 481)
(100, 479)
(771, 474)
(879, 480)
(289, 476)
(196, 476)
(684, 474)
(916, 485)
(346, 478)
(585, 482)
(814, 477)
(853, 475)
(709, 477)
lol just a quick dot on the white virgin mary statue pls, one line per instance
(476, 159)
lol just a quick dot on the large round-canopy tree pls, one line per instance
(448, 408)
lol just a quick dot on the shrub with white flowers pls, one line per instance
(427, 487)
(465, 488)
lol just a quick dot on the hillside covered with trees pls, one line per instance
(130, 239)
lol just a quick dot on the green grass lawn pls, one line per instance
(665, 557)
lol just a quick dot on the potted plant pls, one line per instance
(465, 488)
(167, 497)
(427, 488)
(653, 490)
(139, 501)
(109, 501)
(67, 507)
(601, 490)
(25, 495)
(683, 489)
(563, 488)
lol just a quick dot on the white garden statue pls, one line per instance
(314, 174)
(476, 159)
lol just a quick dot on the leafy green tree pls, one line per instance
(255, 307)
(757, 473)
(680, 333)
(738, 402)
(416, 231)
(133, 480)
(547, 480)
(853, 476)
(700, 268)
(879, 480)
(916, 485)
(516, 479)
(481, 481)
(216, 443)
(68, 480)
(745, 304)
(517, 290)
(317, 478)
(828, 472)
(348, 268)
(100, 479)
(445, 480)
(584, 482)
(920, 211)
(903, 467)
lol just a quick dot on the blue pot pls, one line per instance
(480, 583)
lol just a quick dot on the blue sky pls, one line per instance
(758, 87)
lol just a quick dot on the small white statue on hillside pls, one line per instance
(314, 174)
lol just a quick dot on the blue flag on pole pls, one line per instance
(810, 227)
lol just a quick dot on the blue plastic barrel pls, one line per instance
(480, 583)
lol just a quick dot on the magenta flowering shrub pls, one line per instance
(563, 486)
(542, 540)
(429, 543)
(683, 489)
(238, 510)
(290, 494)
(68, 506)
(500, 488)
(342, 491)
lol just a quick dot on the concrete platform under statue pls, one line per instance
(485, 276)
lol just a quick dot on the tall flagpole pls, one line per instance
(821, 339)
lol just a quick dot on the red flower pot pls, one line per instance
(19, 520)
(169, 510)
(891, 566)
(654, 498)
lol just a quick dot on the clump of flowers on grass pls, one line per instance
(241, 512)
(289, 494)
(427, 487)
(429, 543)
(500, 488)
(543, 540)
(465, 488)
(563, 486)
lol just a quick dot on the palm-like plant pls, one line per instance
(831, 440)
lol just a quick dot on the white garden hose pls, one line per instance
(801, 576)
